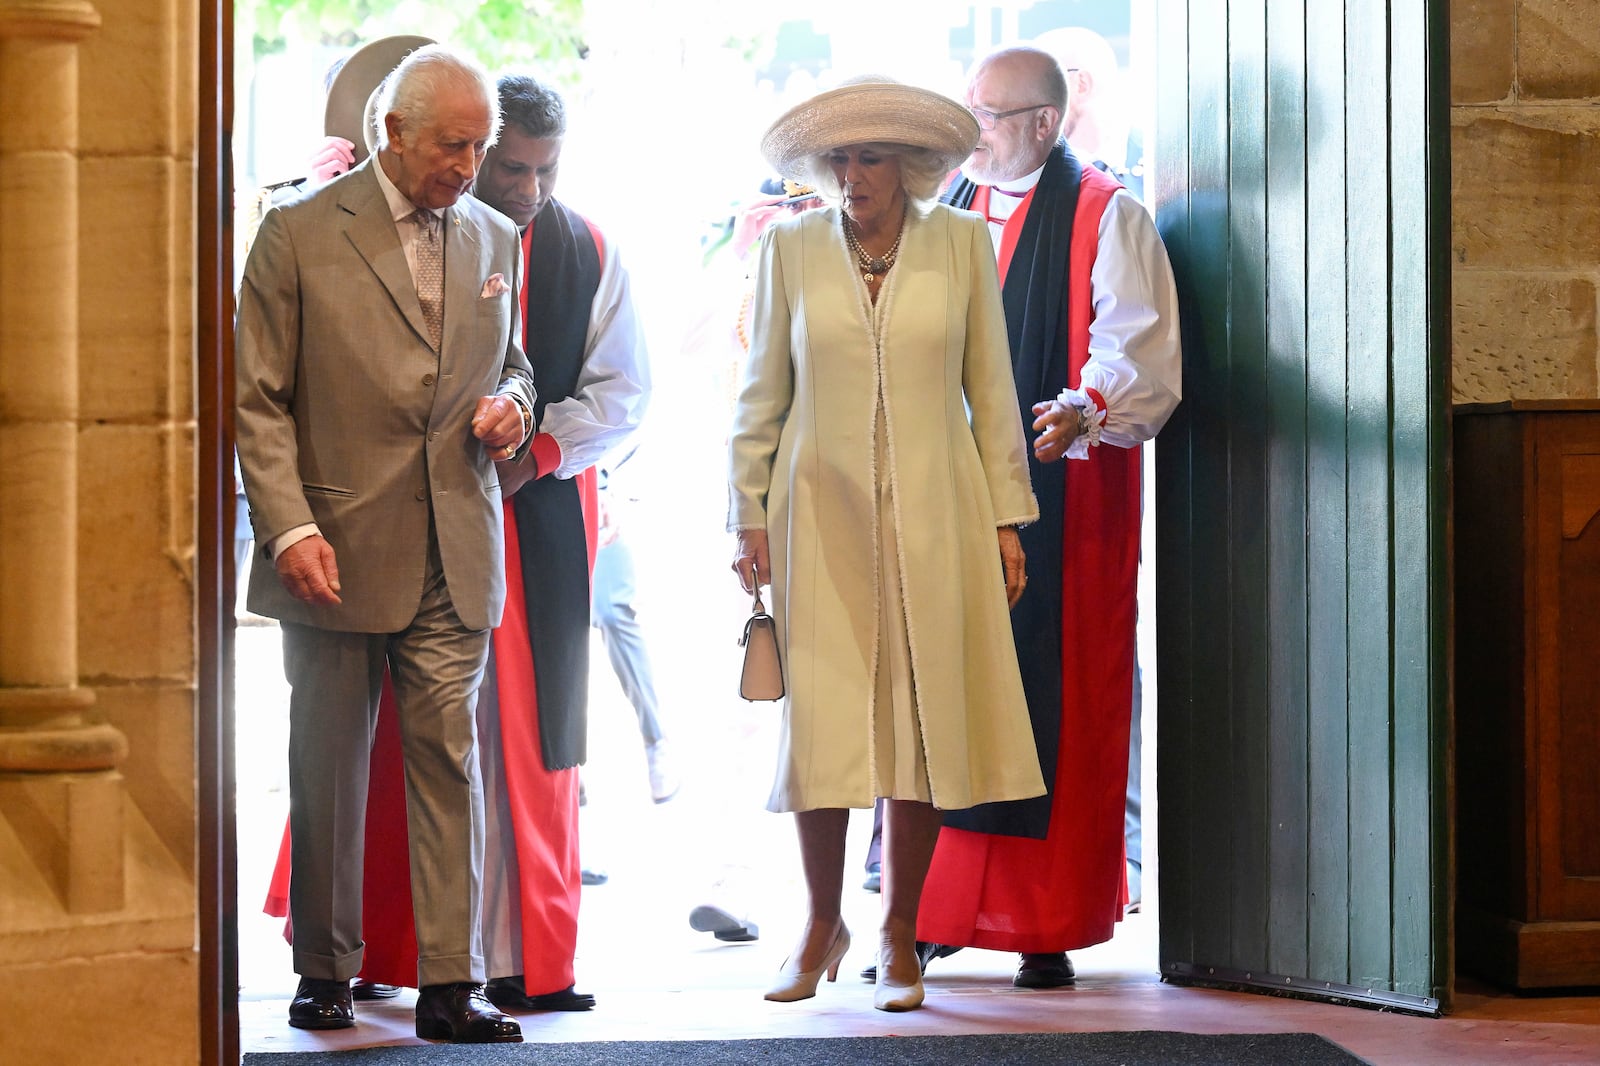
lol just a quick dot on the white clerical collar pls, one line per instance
(1020, 186)
(399, 207)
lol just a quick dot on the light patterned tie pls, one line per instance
(430, 273)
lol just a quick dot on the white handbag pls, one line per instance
(762, 675)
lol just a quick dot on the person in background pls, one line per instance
(612, 612)
(386, 271)
(1092, 316)
(877, 477)
(1097, 126)
(593, 375)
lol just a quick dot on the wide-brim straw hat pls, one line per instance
(868, 112)
(352, 98)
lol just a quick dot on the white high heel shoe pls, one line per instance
(795, 984)
(886, 995)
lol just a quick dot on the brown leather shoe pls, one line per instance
(462, 1014)
(1049, 969)
(321, 1004)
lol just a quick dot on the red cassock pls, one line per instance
(1066, 891)
(543, 846)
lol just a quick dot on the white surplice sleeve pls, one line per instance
(1135, 355)
(613, 385)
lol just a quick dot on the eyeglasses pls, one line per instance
(988, 120)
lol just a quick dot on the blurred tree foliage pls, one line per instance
(502, 34)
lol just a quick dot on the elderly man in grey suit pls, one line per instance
(380, 377)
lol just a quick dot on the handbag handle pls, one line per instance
(756, 607)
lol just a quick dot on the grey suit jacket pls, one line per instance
(348, 418)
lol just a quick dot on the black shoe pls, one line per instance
(874, 881)
(512, 994)
(1050, 969)
(927, 951)
(363, 989)
(721, 924)
(462, 1014)
(320, 1004)
(593, 877)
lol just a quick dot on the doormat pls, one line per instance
(1146, 1048)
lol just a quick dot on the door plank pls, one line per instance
(1210, 233)
(1327, 479)
(1288, 801)
(1247, 488)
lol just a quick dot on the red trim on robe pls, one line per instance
(1067, 891)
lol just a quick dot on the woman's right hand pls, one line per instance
(751, 561)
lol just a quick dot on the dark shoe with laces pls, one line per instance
(462, 1014)
(322, 1004)
(1050, 969)
(511, 993)
(363, 990)
(927, 951)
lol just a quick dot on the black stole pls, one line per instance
(1036, 295)
(563, 276)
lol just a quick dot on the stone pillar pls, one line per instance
(59, 785)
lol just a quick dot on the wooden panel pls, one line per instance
(1302, 719)
(1491, 496)
(1567, 623)
(1247, 489)
(1528, 738)
(1175, 532)
(1419, 399)
(1288, 800)
(1209, 419)
(1327, 627)
(1370, 561)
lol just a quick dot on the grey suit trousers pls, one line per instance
(435, 665)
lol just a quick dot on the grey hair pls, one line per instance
(533, 107)
(412, 90)
(922, 174)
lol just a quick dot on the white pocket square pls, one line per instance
(495, 286)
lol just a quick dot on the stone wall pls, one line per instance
(1525, 196)
(106, 969)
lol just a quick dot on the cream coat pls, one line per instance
(802, 468)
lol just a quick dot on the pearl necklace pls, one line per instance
(873, 266)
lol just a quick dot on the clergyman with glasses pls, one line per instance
(1092, 315)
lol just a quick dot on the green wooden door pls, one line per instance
(1302, 189)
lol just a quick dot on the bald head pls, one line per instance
(1019, 97)
(1033, 71)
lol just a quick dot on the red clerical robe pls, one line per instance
(1066, 891)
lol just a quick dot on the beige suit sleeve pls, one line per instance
(266, 362)
(991, 392)
(765, 393)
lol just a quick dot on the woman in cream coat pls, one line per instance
(877, 472)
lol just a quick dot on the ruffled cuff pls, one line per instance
(1091, 408)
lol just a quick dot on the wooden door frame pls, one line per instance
(215, 867)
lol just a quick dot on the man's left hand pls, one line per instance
(1057, 425)
(498, 423)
